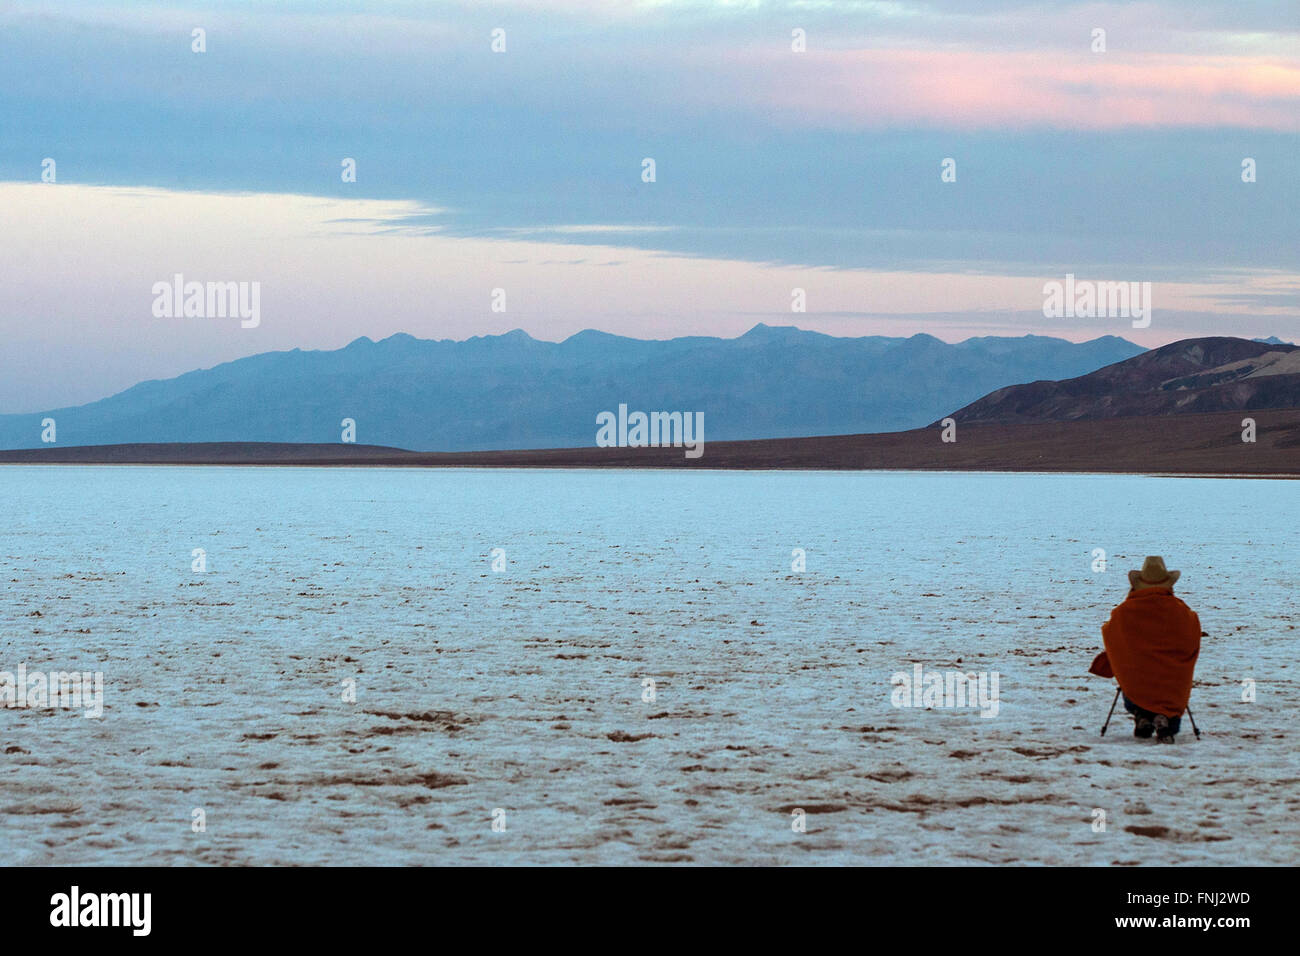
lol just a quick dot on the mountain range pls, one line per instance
(512, 391)
(1214, 374)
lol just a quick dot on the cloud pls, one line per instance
(775, 169)
(1082, 90)
(76, 320)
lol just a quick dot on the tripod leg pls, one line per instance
(1112, 711)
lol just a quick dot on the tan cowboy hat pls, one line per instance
(1153, 575)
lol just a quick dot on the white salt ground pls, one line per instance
(521, 690)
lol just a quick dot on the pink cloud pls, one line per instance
(976, 89)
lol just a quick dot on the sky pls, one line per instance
(522, 170)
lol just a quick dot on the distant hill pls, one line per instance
(1215, 374)
(1171, 445)
(514, 392)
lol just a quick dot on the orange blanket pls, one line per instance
(1152, 641)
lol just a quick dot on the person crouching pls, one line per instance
(1152, 641)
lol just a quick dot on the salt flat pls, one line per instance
(521, 690)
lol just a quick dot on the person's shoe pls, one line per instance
(1163, 734)
(1143, 728)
